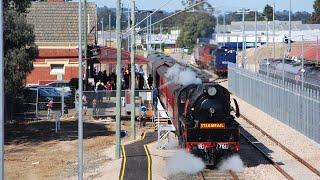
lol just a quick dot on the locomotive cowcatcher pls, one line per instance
(201, 114)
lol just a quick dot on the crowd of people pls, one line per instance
(104, 81)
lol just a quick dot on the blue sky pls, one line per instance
(297, 5)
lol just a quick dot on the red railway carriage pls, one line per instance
(201, 114)
(204, 55)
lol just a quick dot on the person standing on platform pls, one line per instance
(85, 104)
(99, 88)
(155, 94)
(108, 88)
(49, 106)
(150, 81)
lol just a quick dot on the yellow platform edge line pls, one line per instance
(149, 161)
(124, 162)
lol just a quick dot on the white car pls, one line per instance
(62, 86)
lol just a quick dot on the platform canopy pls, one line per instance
(108, 55)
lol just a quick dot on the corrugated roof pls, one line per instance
(108, 55)
(58, 22)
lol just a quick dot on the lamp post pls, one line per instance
(1, 94)
(224, 28)
(267, 42)
(289, 38)
(317, 52)
(243, 38)
(274, 30)
(302, 63)
(110, 30)
(102, 33)
(256, 37)
(118, 72)
(80, 86)
(133, 77)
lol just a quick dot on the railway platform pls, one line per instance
(136, 161)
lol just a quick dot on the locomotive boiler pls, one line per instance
(200, 110)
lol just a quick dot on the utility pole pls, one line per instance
(224, 28)
(161, 38)
(118, 71)
(256, 37)
(302, 64)
(289, 38)
(110, 30)
(80, 86)
(217, 28)
(274, 30)
(1, 94)
(267, 44)
(150, 31)
(102, 33)
(128, 28)
(133, 74)
(243, 38)
(147, 37)
(317, 53)
(85, 18)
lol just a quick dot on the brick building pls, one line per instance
(56, 32)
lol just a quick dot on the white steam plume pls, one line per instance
(181, 75)
(184, 162)
(232, 163)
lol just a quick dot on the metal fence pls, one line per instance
(103, 103)
(97, 104)
(35, 105)
(288, 102)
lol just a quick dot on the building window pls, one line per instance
(57, 68)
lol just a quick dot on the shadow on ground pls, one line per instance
(43, 131)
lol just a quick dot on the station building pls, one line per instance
(56, 37)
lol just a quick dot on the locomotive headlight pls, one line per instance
(212, 110)
(212, 91)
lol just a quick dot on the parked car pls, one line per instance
(41, 95)
(62, 86)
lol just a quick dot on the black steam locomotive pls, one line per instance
(200, 111)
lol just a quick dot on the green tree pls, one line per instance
(195, 26)
(315, 17)
(19, 50)
(268, 12)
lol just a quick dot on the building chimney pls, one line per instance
(54, 1)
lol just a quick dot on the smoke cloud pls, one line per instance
(184, 162)
(232, 163)
(182, 75)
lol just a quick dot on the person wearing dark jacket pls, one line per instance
(150, 81)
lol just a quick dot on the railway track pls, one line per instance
(208, 174)
(283, 147)
(274, 164)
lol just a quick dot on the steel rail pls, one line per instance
(294, 155)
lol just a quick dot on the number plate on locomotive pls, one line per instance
(212, 125)
(200, 146)
(222, 146)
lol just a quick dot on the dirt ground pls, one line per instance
(34, 151)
